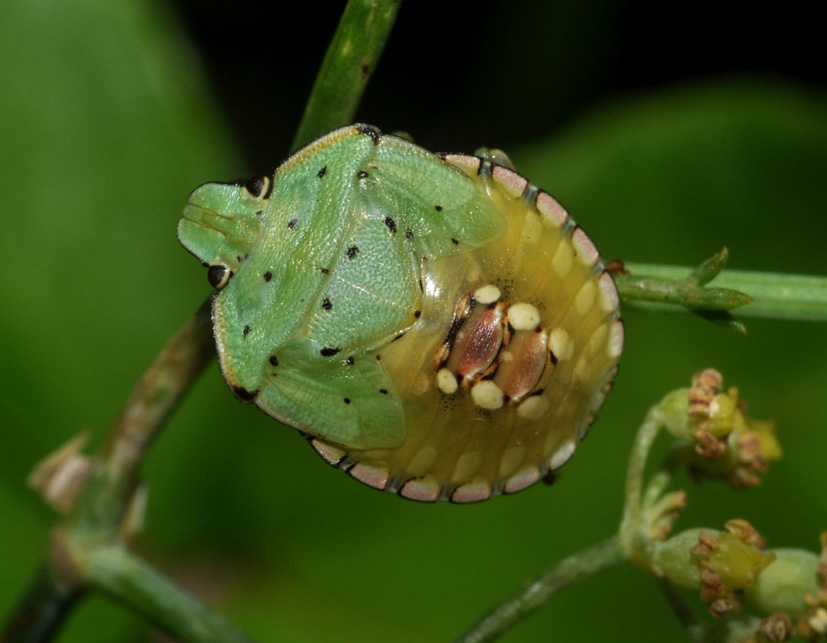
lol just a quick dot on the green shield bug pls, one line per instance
(437, 326)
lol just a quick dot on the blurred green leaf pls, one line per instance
(106, 125)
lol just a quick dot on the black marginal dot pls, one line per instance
(350, 360)
(324, 271)
(245, 331)
(409, 233)
(391, 224)
(365, 71)
(417, 314)
(322, 172)
(244, 395)
(421, 285)
(438, 208)
(347, 400)
(454, 241)
(352, 252)
(383, 391)
(361, 174)
(326, 304)
(378, 358)
(329, 352)
(268, 276)
(274, 360)
(292, 224)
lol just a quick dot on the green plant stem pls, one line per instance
(774, 296)
(42, 610)
(632, 539)
(347, 67)
(569, 570)
(693, 626)
(124, 577)
(115, 471)
(98, 517)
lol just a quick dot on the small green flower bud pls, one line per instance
(719, 563)
(673, 415)
(714, 436)
(783, 585)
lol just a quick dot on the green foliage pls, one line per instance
(106, 125)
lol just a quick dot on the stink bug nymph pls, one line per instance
(437, 326)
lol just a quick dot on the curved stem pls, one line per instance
(569, 570)
(347, 67)
(41, 611)
(129, 580)
(634, 477)
(115, 471)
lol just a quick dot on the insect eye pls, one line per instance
(258, 186)
(218, 276)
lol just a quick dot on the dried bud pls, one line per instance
(60, 476)
(776, 627)
(705, 385)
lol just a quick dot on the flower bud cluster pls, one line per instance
(732, 570)
(715, 436)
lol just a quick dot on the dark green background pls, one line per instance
(666, 142)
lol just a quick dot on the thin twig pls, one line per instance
(132, 581)
(42, 610)
(569, 570)
(115, 472)
(347, 67)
